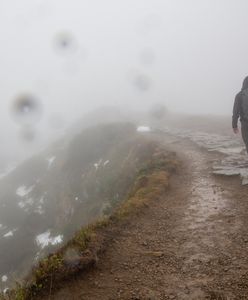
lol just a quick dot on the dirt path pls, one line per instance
(192, 244)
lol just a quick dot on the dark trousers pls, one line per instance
(244, 132)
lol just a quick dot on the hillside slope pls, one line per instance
(72, 183)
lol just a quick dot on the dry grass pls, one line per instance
(147, 187)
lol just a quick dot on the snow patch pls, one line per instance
(25, 203)
(50, 161)
(45, 239)
(39, 210)
(143, 129)
(37, 257)
(4, 278)
(7, 171)
(9, 234)
(106, 163)
(23, 190)
(98, 164)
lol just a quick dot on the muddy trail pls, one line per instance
(191, 244)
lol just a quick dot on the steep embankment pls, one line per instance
(138, 170)
(189, 244)
(73, 182)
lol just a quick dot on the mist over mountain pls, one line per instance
(75, 181)
(96, 98)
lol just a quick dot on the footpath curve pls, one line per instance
(191, 244)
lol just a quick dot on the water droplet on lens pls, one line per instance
(72, 257)
(142, 82)
(65, 42)
(26, 109)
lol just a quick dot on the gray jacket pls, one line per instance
(237, 107)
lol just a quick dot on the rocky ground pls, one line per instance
(191, 244)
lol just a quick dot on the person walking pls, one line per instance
(240, 111)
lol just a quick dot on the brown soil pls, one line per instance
(191, 244)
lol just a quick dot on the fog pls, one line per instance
(74, 56)
(171, 67)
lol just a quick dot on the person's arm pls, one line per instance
(236, 114)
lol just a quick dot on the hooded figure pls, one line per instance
(240, 111)
(245, 84)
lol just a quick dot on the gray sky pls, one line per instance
(190, 55)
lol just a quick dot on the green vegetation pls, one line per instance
(83, 237)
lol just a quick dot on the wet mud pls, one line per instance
(233, 159)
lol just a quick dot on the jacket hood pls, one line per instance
(245, 84)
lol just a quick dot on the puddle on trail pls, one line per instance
(233, 160)
(206, 197)
(209, 197)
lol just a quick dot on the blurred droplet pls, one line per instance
(142, 82)
(27, 133)
(26, 109)
(158, 111)
(147, 56)
(65, 42)
(72, 257)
